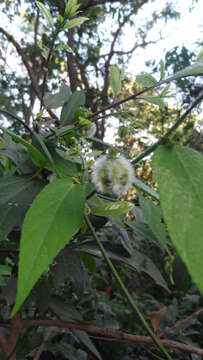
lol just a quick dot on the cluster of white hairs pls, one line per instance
(89, 129)
(112, 175)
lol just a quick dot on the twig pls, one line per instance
(41, 348)
(114, 104)
(46, 66)
(180, 323)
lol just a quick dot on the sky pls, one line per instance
(185, 31)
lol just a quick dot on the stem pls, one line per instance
(170, 131)
(125, 290)
(16, 118)
(114, 104)
(46, 66)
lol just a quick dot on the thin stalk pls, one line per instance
(170, 131)
(125, 290)
(46, 67)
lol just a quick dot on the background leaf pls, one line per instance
(54, 217)
(146, 188)
(137, 260)
(179, 172)
(75, 22)
(16, 195)
(156, 100)
(69, 109)
(56, 100)
(115, 79)
(146, 80)
(33, 150)
(153, 217)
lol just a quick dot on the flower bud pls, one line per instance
(112, 175)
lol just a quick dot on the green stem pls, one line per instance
(125, 290)
(170, 131)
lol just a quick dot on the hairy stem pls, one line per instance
(125, 290)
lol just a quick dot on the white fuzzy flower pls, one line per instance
(89, 129)
(112, 175)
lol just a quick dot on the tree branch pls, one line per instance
(25, 61)
(71, 62)
(92, 3)
(111, 334)
(33, 78)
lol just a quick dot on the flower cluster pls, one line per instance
(112, 175)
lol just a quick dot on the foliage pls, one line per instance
(72, 251)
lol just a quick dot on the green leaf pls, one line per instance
(162, 69)
(112, 208)
(46, 13)
(46, 152)
(156, 100)
(50, 223)
(153, 217)
(63, 167)
(75, 22)
(54, 101)
(115, 79)
(165, 91)
(194, 69)
(16, 195)
(70, 107)
(146, 188)
(33, 150)
(179, 173)
(146, 80)
(71, 8)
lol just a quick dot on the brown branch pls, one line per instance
(46, 66)
(113, 334)
(114, 104)
(180, 323)
(135, 47)
(25, 61)
(28, 67)
(16, 327)
(71, 62)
